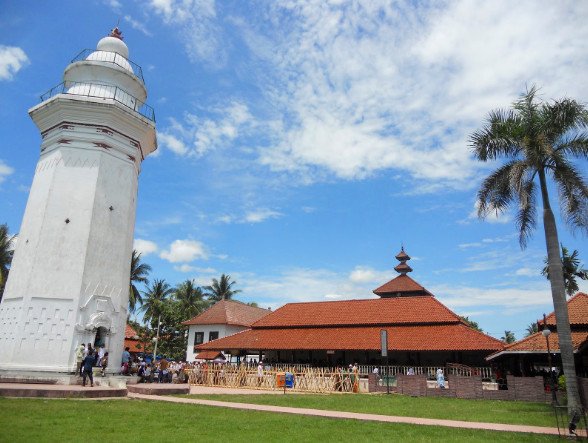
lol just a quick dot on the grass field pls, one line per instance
(38, 420)
(491, 411)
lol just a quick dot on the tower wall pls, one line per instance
(70, 272)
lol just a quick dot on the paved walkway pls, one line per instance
(353, 415)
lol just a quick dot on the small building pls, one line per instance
(225, 317)
(421, 330)
(132, 340)
(525, 356)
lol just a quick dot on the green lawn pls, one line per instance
(38, 420)
(491, 411)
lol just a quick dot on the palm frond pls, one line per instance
(498, 138)
(526, 219)
(575, 145)
(496, 192)
(573, 194)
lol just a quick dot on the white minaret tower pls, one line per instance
(69, 280)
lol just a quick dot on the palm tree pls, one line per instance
(191, 298)
(156, 295)
(533, 328)
(221, 289)
(571, 270)
(537, 140)
(6, 253)
(509, 337)
(139, 273)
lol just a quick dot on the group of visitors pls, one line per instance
(87, 358)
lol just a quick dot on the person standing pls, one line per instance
(104, 364)
(79, 358)
(440, 378)
(126, 359)
(88, 364)
(259, 373)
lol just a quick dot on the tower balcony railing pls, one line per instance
(110, 57)
(104, 92)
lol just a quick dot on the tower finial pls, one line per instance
(116, 33)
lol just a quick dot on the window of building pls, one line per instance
(198, 338)
(212, 335)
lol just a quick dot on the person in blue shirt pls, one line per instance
(88, 366)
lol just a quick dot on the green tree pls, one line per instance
(532, 329)
(221, 289)
(6, 253)
(139, 273)
(173, 337)
(190, 298)
(538, 140)
(472, 324)
(155, 299)
(571, 270)
(509, 337)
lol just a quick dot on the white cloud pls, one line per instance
(197, 29)
(362, 274)
(508, 300)
(172, 143)
(5, 171)
(12, 60)
(145, 247)
(184, 251)
(397, 85)
(135, 24)
(527, 272)
(199, 135)
(260, 215)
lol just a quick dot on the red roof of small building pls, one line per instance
(134, 344)
(537, 343)
(130, 332)
(382, 311)
(577, 310)
(401, 285)
(457, 337)
(229, 312)
(209, 355)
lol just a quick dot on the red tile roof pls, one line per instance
(577, 310)
(382, 311)
(536, 343)
(130, 332)
(402, 284)
(229, 312)
(209, 355)
(457, 337)
(133, 345)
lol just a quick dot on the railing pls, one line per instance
(318, 380)
(110, 57)
(484, 372)
(104, 92)
(309, 379)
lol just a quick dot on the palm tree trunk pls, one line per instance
(558, 294)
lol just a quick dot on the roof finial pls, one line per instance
(402, 257)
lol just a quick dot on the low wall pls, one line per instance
(519, 388)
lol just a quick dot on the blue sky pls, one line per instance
(302, 142)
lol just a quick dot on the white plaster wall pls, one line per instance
(223, 331)
(70, 272)
(69, 278)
